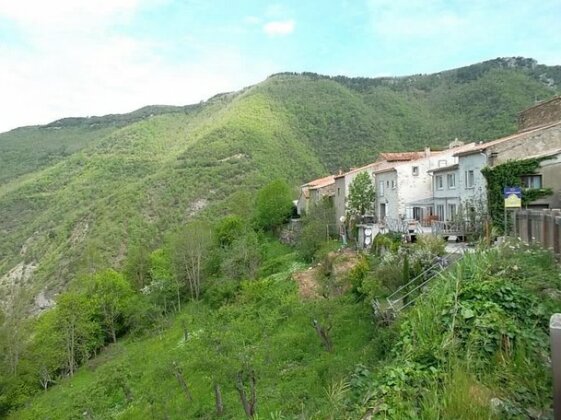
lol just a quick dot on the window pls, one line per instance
(381, 189)
(440, 211)
(451, 211)
(393, 184)
(338, 192)
(531, 181)
(415, 171)
(451, 179)
(441, 163)
(439, 182)
(470, 178)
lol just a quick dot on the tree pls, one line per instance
(315, 229)
(190, 249)
(69, 330)
(242, 258)
(111, 297)
(273, 205)
(361, 195)
(164, 287)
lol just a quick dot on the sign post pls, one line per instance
(513, 200)
(555, 339)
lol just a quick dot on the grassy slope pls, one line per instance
(125, 173)
(267, 328)
(478, 335)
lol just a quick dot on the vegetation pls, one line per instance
(154, 232)
(361, 195)
(510, 174)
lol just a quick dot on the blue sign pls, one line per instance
(508, 191)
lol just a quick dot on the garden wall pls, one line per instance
(539, 226)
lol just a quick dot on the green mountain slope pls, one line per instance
(77, 194)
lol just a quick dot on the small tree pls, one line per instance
(273, 205)
(361, 195)
(111, 296)
(190, 249)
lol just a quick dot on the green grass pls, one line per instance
(478, 338)
(267, 328)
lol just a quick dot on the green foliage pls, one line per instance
(478, 334)
(228, 229)
(80, 195)
(509, 175)
(112, 296)
(190, 249)
(315, 229)
(361, 195)
(273, 205)
(266, 327)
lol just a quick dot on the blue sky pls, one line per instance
(73, 57)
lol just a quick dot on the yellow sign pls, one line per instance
(513, 201)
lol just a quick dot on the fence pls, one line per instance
(541, 226)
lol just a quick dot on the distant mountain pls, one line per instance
(79, 193)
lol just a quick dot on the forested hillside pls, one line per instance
(156, 233)
(84, 192)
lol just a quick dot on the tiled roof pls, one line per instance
(362, 168)
(483, 146)
(400, 156)
(320, 182)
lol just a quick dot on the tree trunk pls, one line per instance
(323, 334)
(179, 376)
(248, 405)
(218, 400)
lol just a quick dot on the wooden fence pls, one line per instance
(540, 226)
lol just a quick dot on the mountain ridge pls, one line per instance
(81, 193)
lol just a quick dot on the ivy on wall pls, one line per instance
(509, 175)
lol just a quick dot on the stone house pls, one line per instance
(344, 180)
(547, 176)
(405, 189)
(313, 192)
(463, 187)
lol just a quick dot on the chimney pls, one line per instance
(427, 151)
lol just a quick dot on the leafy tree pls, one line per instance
(190, 248)
(164, 288)
(315, 229)
(111, 297)
(242, 258)
(228, 229)
(69, 331)
(361, 195)
(273, 205)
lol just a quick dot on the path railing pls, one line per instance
(403, 296)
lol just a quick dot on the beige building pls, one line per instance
(312, 192)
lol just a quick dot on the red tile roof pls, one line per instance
(320, 182)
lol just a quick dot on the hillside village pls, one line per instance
(429, 188)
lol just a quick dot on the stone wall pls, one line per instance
(541, 114)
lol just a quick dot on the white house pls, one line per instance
(344, 180)
(405, 189)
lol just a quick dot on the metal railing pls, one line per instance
(422, 279)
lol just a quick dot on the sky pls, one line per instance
(61, 58)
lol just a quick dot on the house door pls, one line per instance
(382, 211)
(417, 213)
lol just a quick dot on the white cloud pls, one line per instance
(279, 28)
(84, 66)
